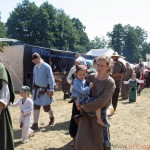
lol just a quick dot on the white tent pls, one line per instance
(12, 58)
(108, 52)
(99, 52)
(148, 60)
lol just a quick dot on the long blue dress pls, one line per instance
(133, 91)
(133, 88)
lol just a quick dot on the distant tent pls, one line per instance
(108, 52)
(99, 52)
(148, 60)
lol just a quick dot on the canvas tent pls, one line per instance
(17, 59)
(99, 52)
(12, 57)
(108, 52)
(148, 60)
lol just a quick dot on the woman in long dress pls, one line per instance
(90, 135)
(133, 87)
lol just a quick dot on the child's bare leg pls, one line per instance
(99, 119)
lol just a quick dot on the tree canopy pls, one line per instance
(49, 27)
(129, 41)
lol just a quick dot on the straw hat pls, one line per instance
(115, 54)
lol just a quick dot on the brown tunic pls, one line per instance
(125, 87)
(90, 134)
(118, 67)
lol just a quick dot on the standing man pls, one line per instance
(6, 96)
(118, 73)
(43, 88)
(125, 87)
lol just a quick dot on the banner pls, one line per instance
(148, 60)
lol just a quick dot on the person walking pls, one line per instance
(90, 135)
(125, 87)
(43, 88)
(25, 104)
(118, 73)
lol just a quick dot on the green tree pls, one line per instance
(82, 41)
(134, 39)
(64, 33)
(48, 27)
(20, 24)
(145, 49)
(117, 38)
(3, 30)
(99, 43)
(128, 41)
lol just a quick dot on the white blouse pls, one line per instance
(137, 80)
(4, 94)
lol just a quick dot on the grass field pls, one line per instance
(130, 126)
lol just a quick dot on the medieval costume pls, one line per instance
(26, 108)
(6, 96)
(125, 87)
(133, 88)
(117, 74)
(90, 135)
(43, 83)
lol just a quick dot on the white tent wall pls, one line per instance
(108, 52)
(148, 60)
(13, 61)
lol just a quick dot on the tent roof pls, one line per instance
(108, 52)
(99, 52)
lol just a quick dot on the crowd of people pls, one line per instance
(89, 82)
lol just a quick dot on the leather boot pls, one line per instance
(52, 120)
(34, 126)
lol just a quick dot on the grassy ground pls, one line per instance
(130, 126)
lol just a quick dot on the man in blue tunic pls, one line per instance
(43, 88)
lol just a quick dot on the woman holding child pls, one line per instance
(91, 135)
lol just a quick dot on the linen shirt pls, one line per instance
(42, 76)
(4, 94)
(80, 88)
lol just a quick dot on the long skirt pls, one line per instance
(6, 132)
(91, 136)
(73, 127)
(125, 90)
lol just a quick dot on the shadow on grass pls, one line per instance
(123, 99)
(17, 134)
(65, 147)
(127, 103)
(16, 144)
(56, 127)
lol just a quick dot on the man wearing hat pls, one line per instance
(6, 96)
(43, 88)
(118, 73)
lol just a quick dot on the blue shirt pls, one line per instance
(80, 88)
(43, 76)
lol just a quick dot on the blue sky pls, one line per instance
(98, 16)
